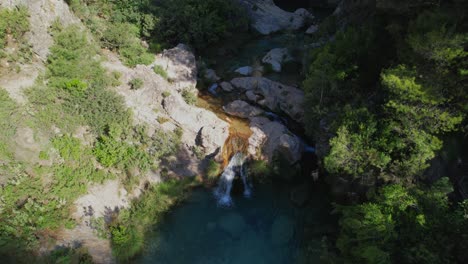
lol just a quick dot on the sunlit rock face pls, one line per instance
(268, 18)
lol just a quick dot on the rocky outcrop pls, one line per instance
(276, 57)
(242, 109)
(159, 100)
(268, 18)
(197, 122)
(274, 95)
(312, 29)
(246, 70)
(180, 65)
(270, 137)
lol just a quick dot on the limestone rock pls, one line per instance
(242, 109)
(312, 29)
(227, 87)
(268, 18)
(270, 137)
(211, 75)
(276, 57)
(273, 95)
(246, 70)
(180, 65)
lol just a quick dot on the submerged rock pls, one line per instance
(276, 57)
(242, 109)
(282, 230)
(274, 95)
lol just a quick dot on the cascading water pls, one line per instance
(223, 191)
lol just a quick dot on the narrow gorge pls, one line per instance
(233, 131)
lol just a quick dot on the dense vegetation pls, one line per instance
(389, 92)
(120, 24)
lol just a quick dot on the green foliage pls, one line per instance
(130, 228)
(158, 69)
(259, 168)
(166, 94)
(13, 22)
(394, 226)
(213, 169)
(136, 83)
(135, 54)
(74, 68)
(112, 150)
(189, 97)
(199, 23)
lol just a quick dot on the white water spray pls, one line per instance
(223, 191)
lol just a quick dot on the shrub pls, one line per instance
(199, 23)
(166, 94)
(14, 22)
(213, 169)
(259, 168)
(135, 54)
(189, 97)
(158, 69)
(136, 83)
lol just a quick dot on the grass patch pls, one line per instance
(136, 83)
(189, 97)
(159, 70)
(213, 169)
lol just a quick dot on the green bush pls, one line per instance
(158, 69)
(213, 169)
(259, 168)
(189, 97)
(135, 54)
(199, 23)
(166, 94)
(136, 83)
(14, 22)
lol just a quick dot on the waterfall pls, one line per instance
(223, 191)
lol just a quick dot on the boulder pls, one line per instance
(246, 70)
(273, 95)
(211, 75)
(197, 123)
(282, 230)
(312, 29)
(180, 65)
(276, 57)
(242, 109)
(227, 87)
(270, 137)
(268, 18)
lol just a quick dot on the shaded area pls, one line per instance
(263, 229)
